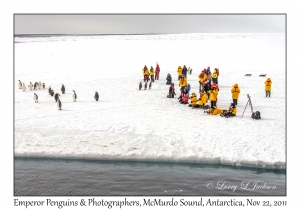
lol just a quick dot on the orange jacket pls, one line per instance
(268, 84)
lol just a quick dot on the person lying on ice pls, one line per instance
(171, 91)
(193, 100)
(169, 79)
(214, 111)
(231, 112)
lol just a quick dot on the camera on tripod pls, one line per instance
(254, 115)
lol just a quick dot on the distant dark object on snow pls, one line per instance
(248, 75)
(63, 89)
(262, 75)
(145, 86)
(140, 86)
(96, 96)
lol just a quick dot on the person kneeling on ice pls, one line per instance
(231, 112)
(193, 100)
(169, 79)
(185, 99)
(171, 91)
(214, 111)
(182, 93)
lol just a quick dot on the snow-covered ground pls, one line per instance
(145, 125)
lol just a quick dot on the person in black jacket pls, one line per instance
(171, 91)
(184, 71)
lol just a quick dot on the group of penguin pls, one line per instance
(145, 86)
(51, 92)
(35, 86)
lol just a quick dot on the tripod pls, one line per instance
(249, 102)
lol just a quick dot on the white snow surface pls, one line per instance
(145, 125)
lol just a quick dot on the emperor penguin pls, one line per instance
(63, 89)
(74, 96)
(39, 84)
(43, 84)
(96, 96)
(56, 97)
(52, 92)
(30, 86)
(35, 85)
(20, 84)
(150, 85)
(140, 86)
(35, 98)
(23, 87)
(145, 87)
(49, 90)
(59, 104)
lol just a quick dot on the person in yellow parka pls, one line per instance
(152, 73)
(183, 82)
(179, 71)
(235, 93)
(268, 84)
(231, 112)
(202, 101)
(213, 95)
(214, 111)
(215, 76)
(193, 99)
(202, 77)
(146, 73)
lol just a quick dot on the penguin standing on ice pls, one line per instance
(59, 104)
(52, 92)
(49, 90)
(56, 97)
(63, 89)
(20, 84)
(96, 96)
(30, 86)
(35, 98)
(39, 84)
(35, 85)
(145, 87)
(150, 85)
(74, 96)
(43, 85)
(23, 87)
(140, 86)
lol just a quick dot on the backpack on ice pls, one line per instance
(256, 115)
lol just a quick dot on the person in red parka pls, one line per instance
(157, 70)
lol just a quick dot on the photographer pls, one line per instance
(231, 112)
